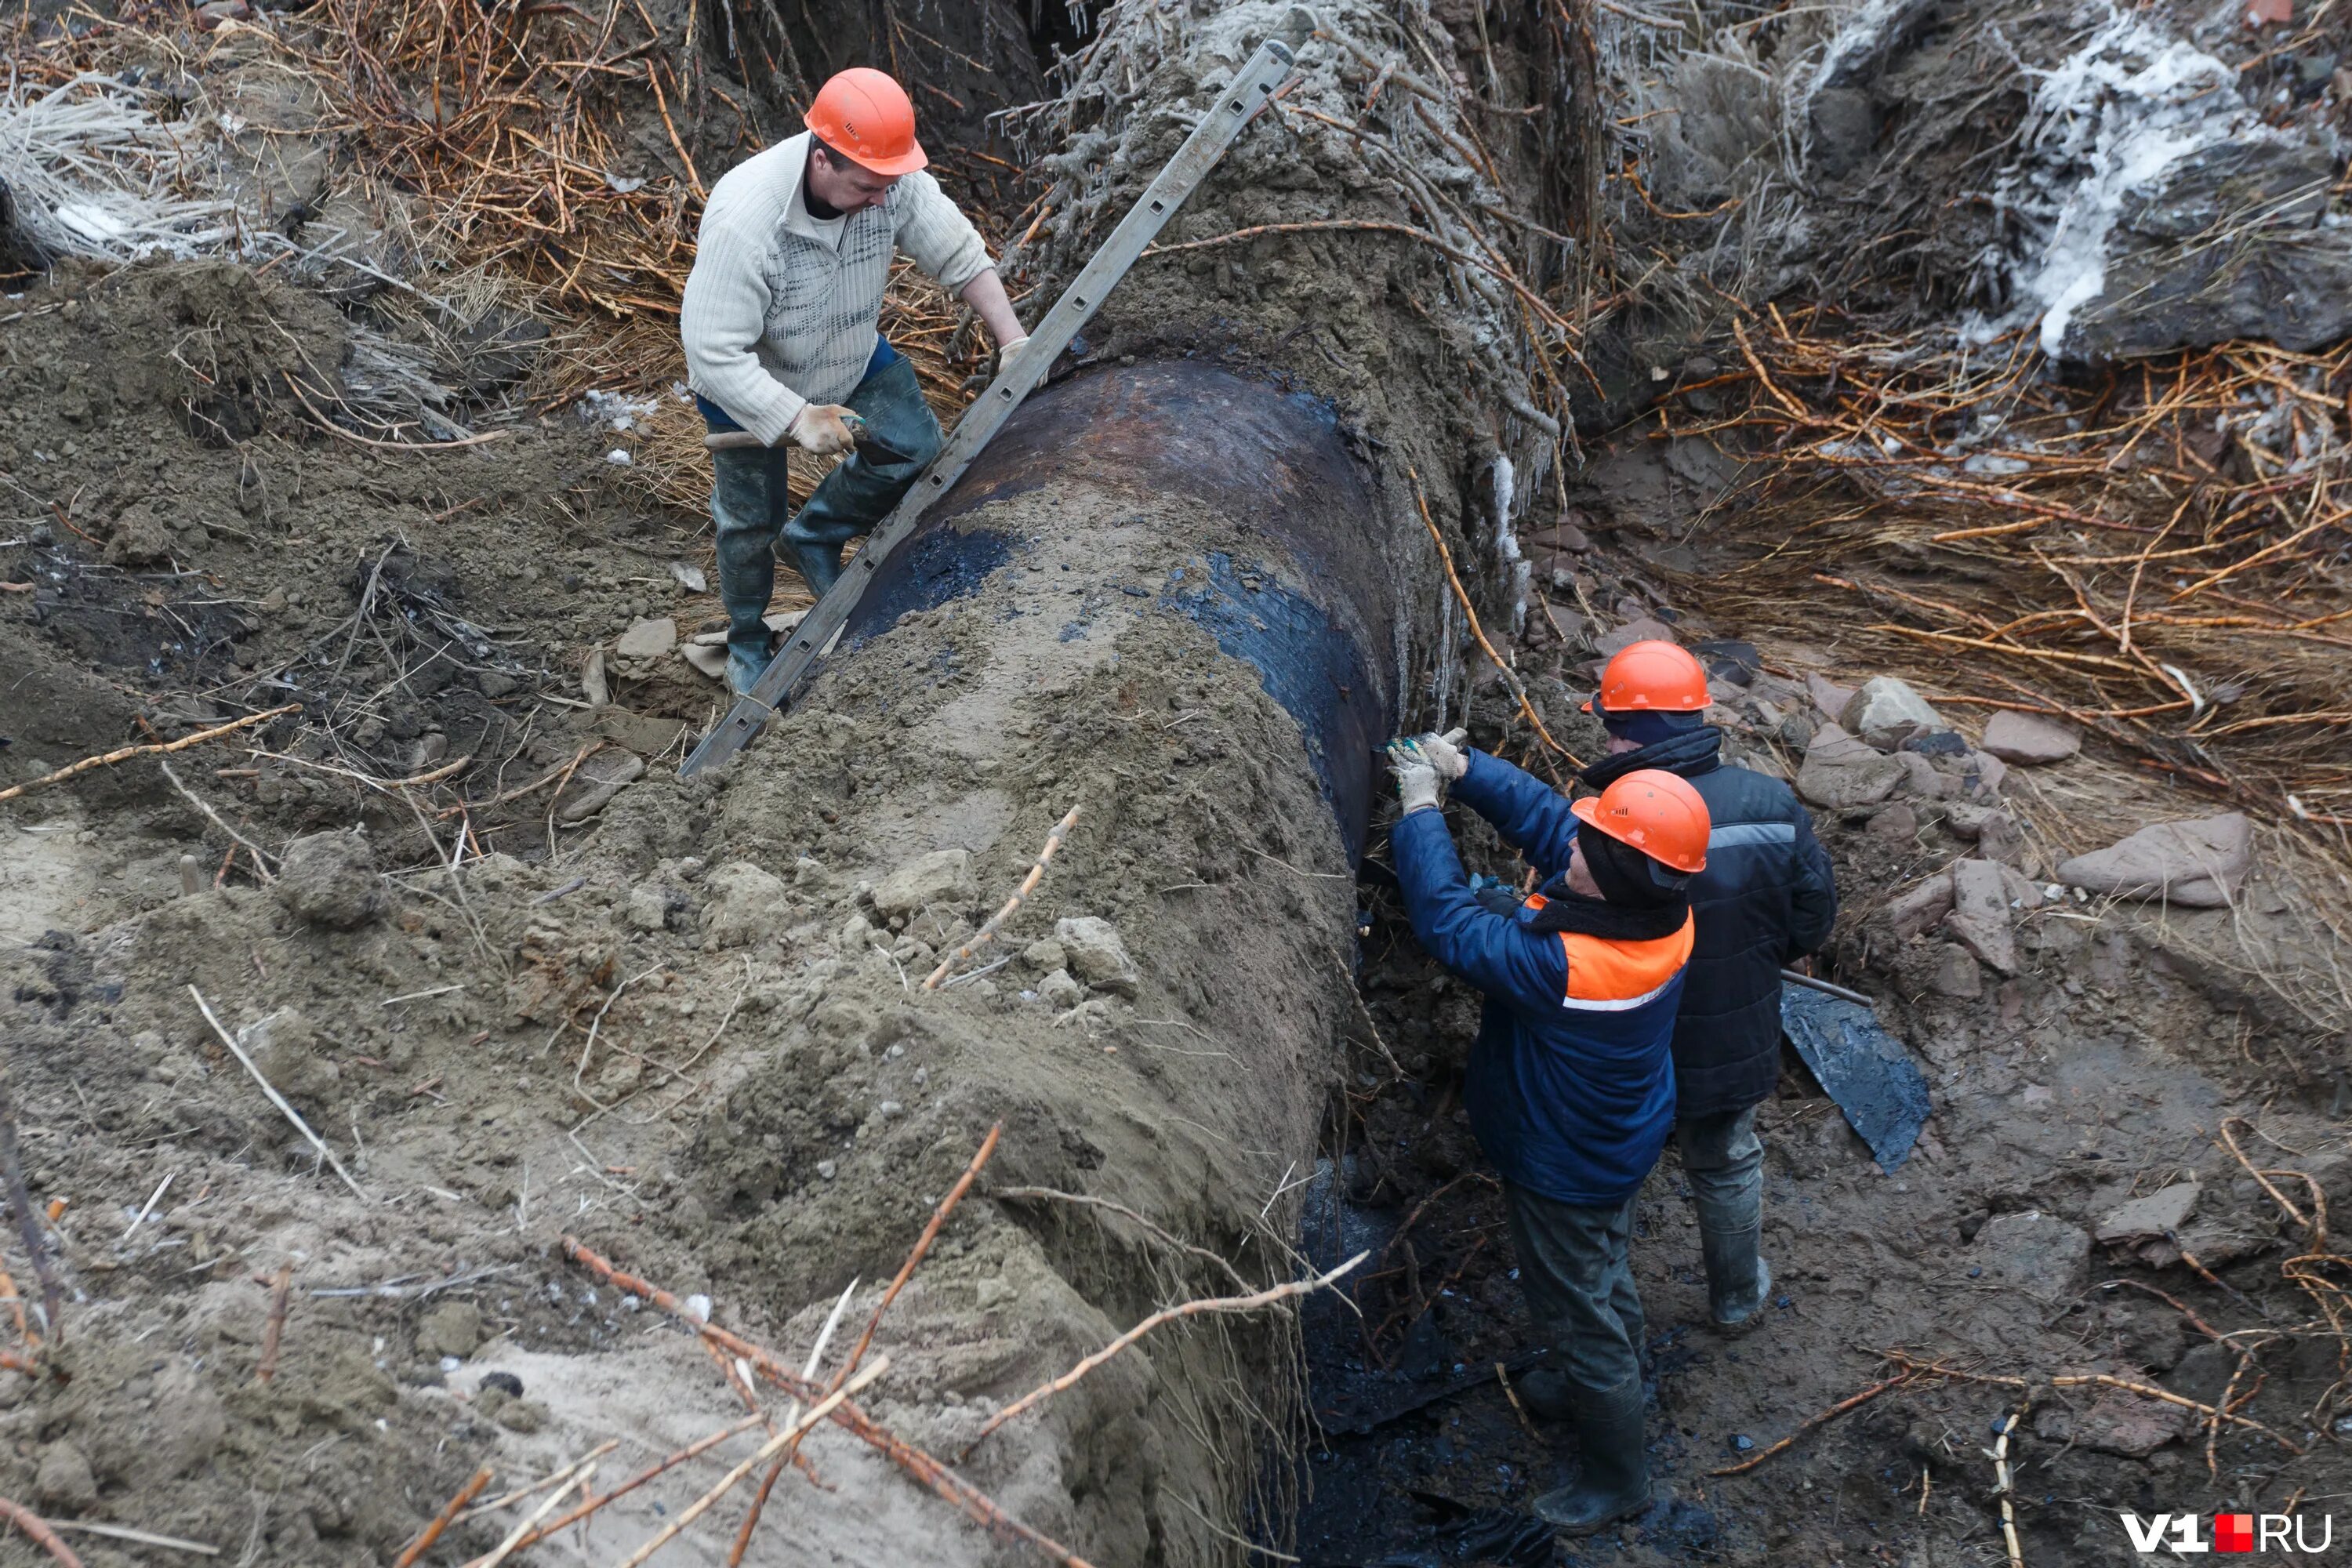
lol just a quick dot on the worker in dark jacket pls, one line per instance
(1766, 898)
(1570, 1088)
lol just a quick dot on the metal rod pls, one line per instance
(1840, 992)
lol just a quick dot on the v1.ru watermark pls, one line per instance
(2183, 1535)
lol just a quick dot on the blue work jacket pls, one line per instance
(1572, 1088)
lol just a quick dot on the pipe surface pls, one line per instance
(1295, 580)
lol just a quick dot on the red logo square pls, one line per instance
(2233, 1532)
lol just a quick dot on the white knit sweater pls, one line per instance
(781, 307)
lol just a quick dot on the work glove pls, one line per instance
(1418, 781)
(1444, 752)
(827, 429)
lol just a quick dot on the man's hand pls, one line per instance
(825, 428)
(1418, 781)
(1444, 752)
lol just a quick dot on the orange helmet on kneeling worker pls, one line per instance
(866, 117)
(1655, 812)
(1650, 676)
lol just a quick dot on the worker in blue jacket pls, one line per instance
(1768, 897)
(1571, 1089)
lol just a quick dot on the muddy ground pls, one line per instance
(680, 1020)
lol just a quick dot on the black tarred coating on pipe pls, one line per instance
(1303, 591)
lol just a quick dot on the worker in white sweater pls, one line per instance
(783, 345)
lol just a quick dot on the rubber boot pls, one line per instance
(819, 563)
(1614, 1483)
(1738, 1279)
(1544, 1390)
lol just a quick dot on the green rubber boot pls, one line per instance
(1614, 1482)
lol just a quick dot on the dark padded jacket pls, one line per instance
(1766, 898)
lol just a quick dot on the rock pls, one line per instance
(1887, 712)
(1046, 956)
(647, 639)
(521, 1416)
(1994, 831)
(1955, 974)
(2114, 1422)
(594, 685)
(1980, 920)
(1096, 955)
(2029, 740)
(2226, 243)
(601, 788)
(2197, 864)
(140, 539)
(284, 1047)
(64, 1481)
(1840, 772)
(1919, 776)
(1640, 629)
(746, 904)
(2037, 1253)
(1828, 695)
(640, 732)
(1897, 822)
(2147, 1219)
(329, 880)
(648, 909)
(1060, 992)
(453, 1328)
(1987, 770)
(941, 880)
(709, 659)
(1920, 907)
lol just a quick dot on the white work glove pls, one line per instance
(824, 428)
(1444, 752)
(1418, 783)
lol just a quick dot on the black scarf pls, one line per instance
(1631, 907)
(1688, 754)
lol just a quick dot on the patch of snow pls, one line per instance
(614, 410)
(2113, 118)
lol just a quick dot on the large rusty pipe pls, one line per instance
(1296, 581)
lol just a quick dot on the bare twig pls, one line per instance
(449, 1510)
(780, 1444)
(1853, 1402)
(987, 933)
(29, 1218)
(1165, 1315)
(922, 1244)
(37, 1529)
(273, 1331)
(260, 861)
(277, 1098)
(88, 763)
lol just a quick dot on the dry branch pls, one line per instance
(1853, 1402)
(1510, 678)
(922, 1244)
(125, 754)
(449, 1510)
(1165, 1315)
(780, 1444)
(987, 933)
(273, 1329)
(38, 1532)
(277, 1098)
(28, 1220)
(970, 1501)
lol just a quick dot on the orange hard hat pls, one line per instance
(868, 118)
(1654, 677)
(1656, 812)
